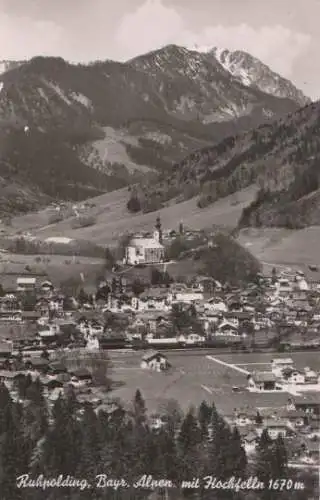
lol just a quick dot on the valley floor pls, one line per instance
(197, 377)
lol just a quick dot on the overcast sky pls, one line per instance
(282, 33)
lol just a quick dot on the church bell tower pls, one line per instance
(158, 230)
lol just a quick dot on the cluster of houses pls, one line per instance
(284, 376)
(53, 375)
(284, 311)
(298, 422)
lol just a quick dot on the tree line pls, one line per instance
(76, 441)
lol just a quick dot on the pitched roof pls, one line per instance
(252, 436)
(151, 354)
(264, 377)
(145, 243)
(10, 374)
(5, 347)
(37, 361)
(26, 280)
(280, 361)
(310, 398)
(291, 414)
(275, 423)
(313, 446)
(18, 331)
(81, 372)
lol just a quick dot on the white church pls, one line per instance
(142, 250)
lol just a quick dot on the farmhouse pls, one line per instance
(292, 376)
(279, 364)
(25, 283)
(188, 296)
(37, 363)
(9, 377)
(309, 404)
(294, 418)
(81, 377)
(262, 381)
(250, 441)
(5, 350)
(155, 298)
(312, 451)
(311, 377)
(276, 428)
(245, 417)
(154, 360)
(145, 250)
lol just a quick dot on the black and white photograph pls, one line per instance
(159, 250)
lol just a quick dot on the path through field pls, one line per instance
(228, 365)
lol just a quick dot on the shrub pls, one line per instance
(205, 200)
(134, 204)
(177, 247)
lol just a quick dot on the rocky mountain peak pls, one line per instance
(251, 72)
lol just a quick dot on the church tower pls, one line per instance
(158, 230)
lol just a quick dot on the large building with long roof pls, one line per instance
(146, 250)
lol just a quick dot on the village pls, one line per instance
(260, 342)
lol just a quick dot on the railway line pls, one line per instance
(189, 351)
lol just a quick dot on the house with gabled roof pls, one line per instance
(262, 381)
(154, 360)
(275, 427)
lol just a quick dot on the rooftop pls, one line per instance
(151, 354)
(145, 242)
(282, 361)
(264, 377)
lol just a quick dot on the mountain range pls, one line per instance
(281, 159)
(74, 131)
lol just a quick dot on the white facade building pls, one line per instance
(26, 283)
(144, 250)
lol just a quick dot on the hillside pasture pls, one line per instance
(283, 246)
(271, 245)
(59, 268)
(113, 218)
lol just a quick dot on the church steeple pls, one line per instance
(158, 229)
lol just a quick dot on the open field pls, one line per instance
(113, 219)
(283, 246)
(195, 377)
(112, 148)
(58, 267)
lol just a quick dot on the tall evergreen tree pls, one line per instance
(264, 466)
(62, 448)
(89, 447)
(204, 416)
(280, 458)
(139, 409)
(14, 455)
(237, 455)
(219, 446)
(189, 440)
(5, 402)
